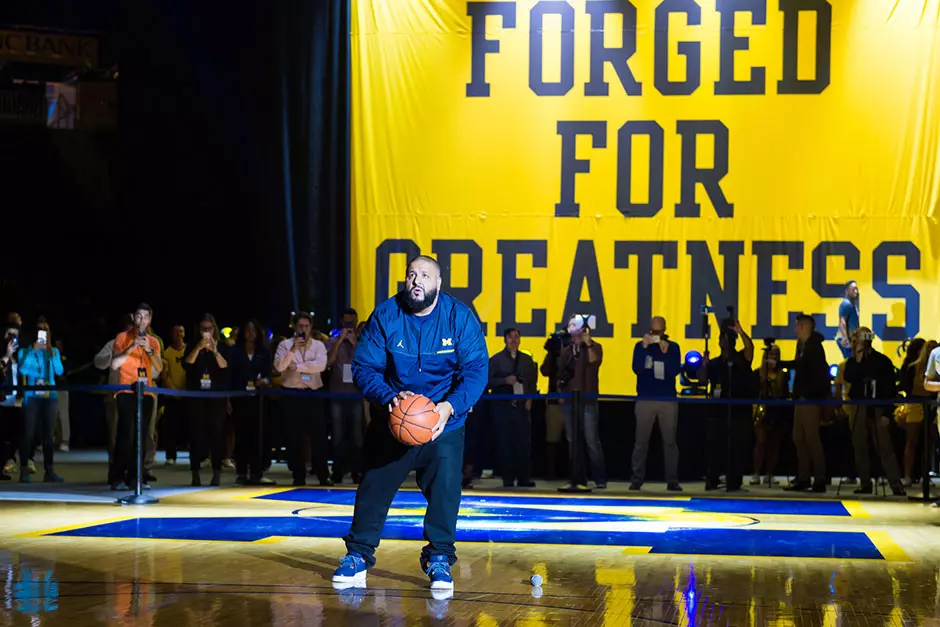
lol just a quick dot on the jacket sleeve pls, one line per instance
(369, 361)
(472, 368)
(319, 359)
(639, 359)
(495, 378)
(29, 364)
(673, 361)
(531, 377)
(56, 362)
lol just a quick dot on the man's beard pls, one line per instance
(420, 304)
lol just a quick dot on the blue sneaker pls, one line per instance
(351, 571)
(437, 568)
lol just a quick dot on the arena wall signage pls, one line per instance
(48, 47)
(631, 158)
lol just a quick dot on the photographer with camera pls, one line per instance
(579, 372)
(728, 425)
(301, 361)
(769, 419)
(871, 375)
(39, 364)
(346, 414)
(811, 382)
(656, 363)
(554, 419)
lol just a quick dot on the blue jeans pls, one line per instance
(590, 436)
(387, 464)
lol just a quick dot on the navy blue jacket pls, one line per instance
(443, 357)
(647, 385)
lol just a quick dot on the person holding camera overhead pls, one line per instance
(206, 371)
(871, 375)
(301, 360)
(40, 364)
(579, 372)
(730, 376)
(656, 363)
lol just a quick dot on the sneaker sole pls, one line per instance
(442, 585)
(359, 579)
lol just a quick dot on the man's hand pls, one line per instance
(11, 348)
(647, 340)
(528, 404)
(736, 327)
(399, 397)
(445, 410)
(512, 380)
(299, 344)
(141, 341)
(844, 341)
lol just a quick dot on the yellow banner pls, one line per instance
(630, 159)
(48, 47)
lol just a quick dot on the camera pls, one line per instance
(556, 342)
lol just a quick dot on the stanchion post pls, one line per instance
(925, 462)
(138, 497)
(261, 458)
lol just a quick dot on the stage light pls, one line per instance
(270, 334)
(226, 332)
(833, 371)
(688, 377)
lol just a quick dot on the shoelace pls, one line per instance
(350, 561)
(438, 568)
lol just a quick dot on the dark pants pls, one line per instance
(717, 439)
(123, 462)
(11, 429)
(39, 417)
(387, 464)
(348, 425)
(172, 434)
(207, 431)
(513, 438)
(304, 416)
(249, 440)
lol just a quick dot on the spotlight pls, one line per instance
(226, 332)
(833, 371)
(688, 378)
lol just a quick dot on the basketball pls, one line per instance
(412, 419)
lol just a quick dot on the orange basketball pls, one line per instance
(412, 419)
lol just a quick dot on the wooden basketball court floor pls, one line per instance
(238, 557)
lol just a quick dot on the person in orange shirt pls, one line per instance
(136, 354)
